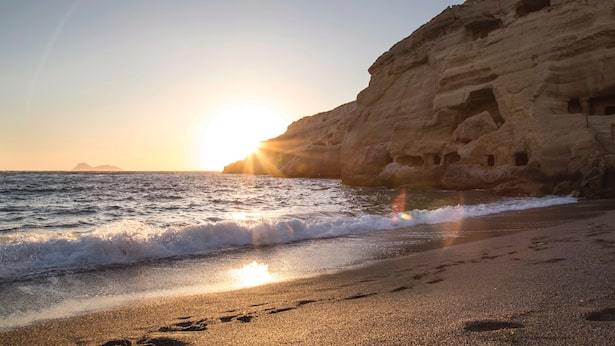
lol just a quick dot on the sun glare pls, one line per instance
(231, 133)
(253, 274)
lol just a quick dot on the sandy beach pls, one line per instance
(307, 172)
(548, 281)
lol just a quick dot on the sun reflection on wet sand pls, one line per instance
(252, 274)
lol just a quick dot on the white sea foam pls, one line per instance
(129, 242)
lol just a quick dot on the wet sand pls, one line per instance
(547, 278)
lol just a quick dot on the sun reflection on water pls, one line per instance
(252, 274)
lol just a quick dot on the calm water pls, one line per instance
(73, 242)
(61, 201)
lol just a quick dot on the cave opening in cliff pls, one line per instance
(478, 101)
(482, 28)
(602, 105)
(574, 106)
(526, 7)
(410, 160)
(490, 160)
(434, 159)
(451, 158)
(521, 158)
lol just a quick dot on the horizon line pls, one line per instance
(94, 171)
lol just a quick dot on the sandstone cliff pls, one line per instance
(514, 95)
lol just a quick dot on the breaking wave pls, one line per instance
(128, 242)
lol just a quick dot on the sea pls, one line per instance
(71, 243)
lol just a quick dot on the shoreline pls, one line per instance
(374, 290)
(248, 236)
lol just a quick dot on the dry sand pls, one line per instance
(550, 280)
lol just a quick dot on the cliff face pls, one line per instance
(515, 95)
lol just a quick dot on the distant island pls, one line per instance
(84, 167)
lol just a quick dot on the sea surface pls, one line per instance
(77, 242)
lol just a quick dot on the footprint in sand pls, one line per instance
(146, 342)
(305, 301)
(225, 319)
(118, 342)
(277, 311)
(434, 281)
(188, 326)
(419, 276)
(160, 342)
(399, 289)
(490, 325)
(550, 261)
(359, 296)
(604, 315)
(245, 318)
(540, 246)
(488, 257)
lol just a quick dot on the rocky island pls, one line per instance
(517, 96)
(85, 167)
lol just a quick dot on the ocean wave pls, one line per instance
(129, 242)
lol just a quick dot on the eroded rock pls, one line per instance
(514, 95)
(474, 127)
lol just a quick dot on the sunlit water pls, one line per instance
(76, 242)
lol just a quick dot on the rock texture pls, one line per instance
(513, 95)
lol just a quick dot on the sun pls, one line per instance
(232, 132)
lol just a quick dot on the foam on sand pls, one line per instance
(32, 253)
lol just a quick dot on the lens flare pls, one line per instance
(399, 203)
(399, 208)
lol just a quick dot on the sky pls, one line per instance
(180, 85)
